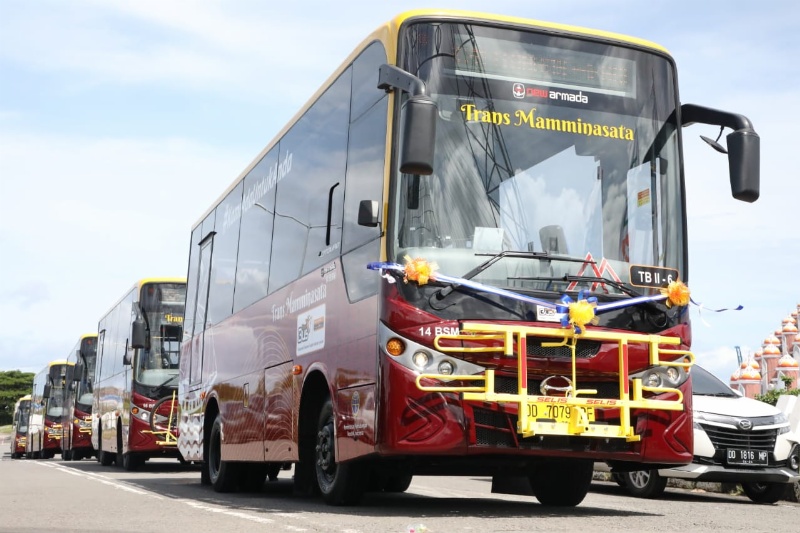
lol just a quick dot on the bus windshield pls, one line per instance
(88, 353)
(21, 421)
(544, 144)
(58, 383)
(162, 305)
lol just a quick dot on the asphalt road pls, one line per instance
(48, 495)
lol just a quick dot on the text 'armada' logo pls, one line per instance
(520, 91)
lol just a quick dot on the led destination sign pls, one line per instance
(532, 63)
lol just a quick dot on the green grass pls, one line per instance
(5, 429)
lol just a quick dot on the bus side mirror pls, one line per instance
(743, 150)
(368, 213)
(77, 372)
(46, 393)
(744, 162)
(138, 334)
(418, 135)
(417, 119)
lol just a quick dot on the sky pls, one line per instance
(122, 121)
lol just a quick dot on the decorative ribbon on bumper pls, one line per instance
(577, 314)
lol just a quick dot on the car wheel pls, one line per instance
(765, 492)
(645, 483)
(619, 479)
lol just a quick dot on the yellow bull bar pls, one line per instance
(165, 437)
(577, 403)
(88, 427)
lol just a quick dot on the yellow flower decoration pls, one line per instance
(582, 313)
(419, 270)
(677, 293)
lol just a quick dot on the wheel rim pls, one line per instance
(326, 459)
(640, 478)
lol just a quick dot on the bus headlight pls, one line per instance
(141, 414)
(662, 377)
(421, 359)
(446, 368)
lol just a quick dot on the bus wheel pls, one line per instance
(343, 483)
(252, 477)
(105, 458)
(399, 483)
(222, 475)
(562, 483)
(273, 469)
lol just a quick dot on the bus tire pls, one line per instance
(222, 475)
(342, 483)
(398, 483)
(252, 477)
(562, 483)
(273, 469)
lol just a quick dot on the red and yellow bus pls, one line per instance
(19, 426)
(399, 283)
(134, 413)
(76, 424)
(47, 408)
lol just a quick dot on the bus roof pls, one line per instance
(392, 28)
(138, 285)
(526, 23)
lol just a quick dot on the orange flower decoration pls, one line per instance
(419, 270)
(677, 293)
(582, 313)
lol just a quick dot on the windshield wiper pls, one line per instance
(155, 389)
(494, 258)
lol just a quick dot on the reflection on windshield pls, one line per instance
(158, 363)
(55, 404)
(568, 210)
(21, 420)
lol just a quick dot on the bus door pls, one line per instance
(197, 346)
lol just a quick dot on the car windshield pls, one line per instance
(704, 383)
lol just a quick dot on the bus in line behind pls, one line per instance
(47, 408)
(19, 426)
(76, 423)
(136, 377)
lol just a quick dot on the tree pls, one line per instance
(13, 386)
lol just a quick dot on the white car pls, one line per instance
(736, 440)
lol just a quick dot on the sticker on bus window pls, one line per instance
(311, 330)
(547, 314)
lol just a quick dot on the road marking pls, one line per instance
(101, 478)
(209, 508)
